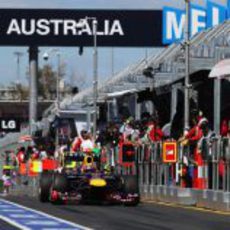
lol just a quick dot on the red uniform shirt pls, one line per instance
(194, 134)
(21, 157)
(76, 146)
(224, 128)
(156, 134)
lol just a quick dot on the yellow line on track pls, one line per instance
(187, 207)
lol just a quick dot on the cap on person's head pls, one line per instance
(202, 122)
(130, 119)
(22, 148)
(200, 113)
(83, 132)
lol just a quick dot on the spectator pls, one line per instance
(83, 143)
(193, 135)
(154, 132)
(6, 181)
(21, 155)
(43, 153)
(206, 140)
(224, 130)
(204, 146)
(126, 129)
(76, 145)
(35, 154)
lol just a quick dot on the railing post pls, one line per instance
(140, 168)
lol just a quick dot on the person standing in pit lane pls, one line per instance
(76, 145)
(21, 155)
(82, 143)
(6, 178)
(154, 132)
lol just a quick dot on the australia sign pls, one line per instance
(26, 27)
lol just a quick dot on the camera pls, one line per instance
(45, 56)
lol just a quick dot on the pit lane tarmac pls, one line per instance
(145, 216)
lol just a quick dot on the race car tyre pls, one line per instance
(45, 184)
(60, 183)
(130, 186)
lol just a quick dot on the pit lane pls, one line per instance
(144, 216)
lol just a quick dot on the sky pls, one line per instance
(81, 66)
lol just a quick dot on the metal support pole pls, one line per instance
(137, 108)
(112, 61)
(58, 96)
(88, 117)
(33, 64)
(95, 78)
(217, 97)
(115, 113)
(217, 103)
(18, 55)
(58, 79)
(187, 81)
(173, 101)
(108, 111)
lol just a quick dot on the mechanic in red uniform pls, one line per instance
(76, 145)
(154, 132)
(21, 155)
(191, 139)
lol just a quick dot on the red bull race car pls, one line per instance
(81, 180)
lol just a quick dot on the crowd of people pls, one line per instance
(148, 130)
(14, 158)
(137, 132)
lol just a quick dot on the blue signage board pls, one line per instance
(200, 19)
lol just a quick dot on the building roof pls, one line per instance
(206, 48)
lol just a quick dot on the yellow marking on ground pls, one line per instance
(188, 207)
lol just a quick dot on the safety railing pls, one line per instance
(205, 165)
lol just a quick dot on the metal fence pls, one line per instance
(212, 169)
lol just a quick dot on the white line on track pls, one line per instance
(40, 213)
(14, 223)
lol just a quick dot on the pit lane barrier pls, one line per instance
(172, 172)
(203, 181)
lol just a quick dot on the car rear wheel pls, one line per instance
(60, 183)
(45, 184)
(130, 187)
(130, 184)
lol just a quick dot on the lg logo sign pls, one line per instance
(9, 125)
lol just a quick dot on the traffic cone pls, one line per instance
(199, 181)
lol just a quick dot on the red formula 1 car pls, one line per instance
(82, 181)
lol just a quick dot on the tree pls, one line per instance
(18, 91)
(47, 82)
